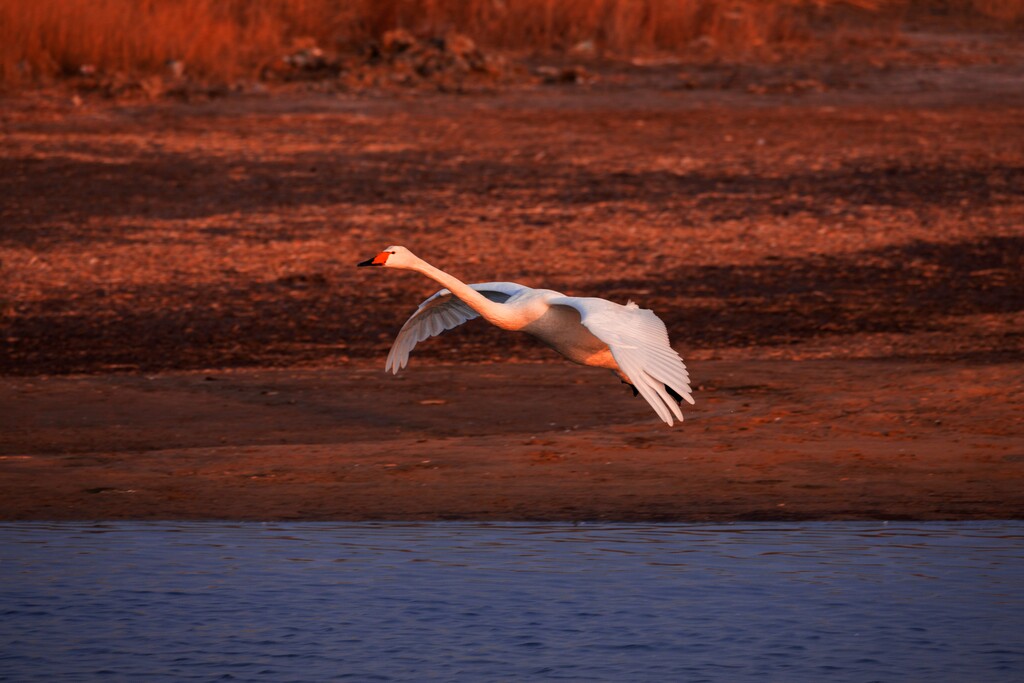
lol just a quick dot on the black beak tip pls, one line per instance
(367, 262)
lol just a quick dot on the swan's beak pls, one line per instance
(377, 260)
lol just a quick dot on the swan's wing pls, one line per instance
(639, 343)
(441, 311)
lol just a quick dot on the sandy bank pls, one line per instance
(767, 440)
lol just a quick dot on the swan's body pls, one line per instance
(628, 340)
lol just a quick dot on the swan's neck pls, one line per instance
(491, 311)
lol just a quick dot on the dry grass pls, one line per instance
(227, 39)
(42, 38)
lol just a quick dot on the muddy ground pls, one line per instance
(837, 252)
(538, 441)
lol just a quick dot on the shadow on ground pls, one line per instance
(922, 286)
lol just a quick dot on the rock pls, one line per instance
(176, 68)
(152, 86)
(569, 74)
(397, 41)
(584, 48)
(460, 45)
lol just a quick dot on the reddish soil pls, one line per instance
(841, 265)
(766, 440)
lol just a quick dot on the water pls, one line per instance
(509, 602)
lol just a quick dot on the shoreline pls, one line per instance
(768, 440)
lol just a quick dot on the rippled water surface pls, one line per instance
(311, 602)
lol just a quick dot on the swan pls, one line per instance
(630, 341)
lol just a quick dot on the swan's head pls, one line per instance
(392, 257)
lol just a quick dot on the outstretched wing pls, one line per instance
(639, 344)
(441, 311)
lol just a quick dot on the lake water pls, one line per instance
(510, 602)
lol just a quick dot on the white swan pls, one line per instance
(628, 340)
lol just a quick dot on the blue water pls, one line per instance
(509, 602)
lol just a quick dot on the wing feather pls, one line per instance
(440, 312)
(640, 346)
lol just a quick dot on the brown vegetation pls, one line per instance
(232, 39)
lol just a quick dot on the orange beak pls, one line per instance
(378, 260)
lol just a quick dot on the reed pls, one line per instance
(227, 39)
(219, 38)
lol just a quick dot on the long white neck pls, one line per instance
(491, 311)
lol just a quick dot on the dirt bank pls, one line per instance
(842, 266)
(767, 440)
